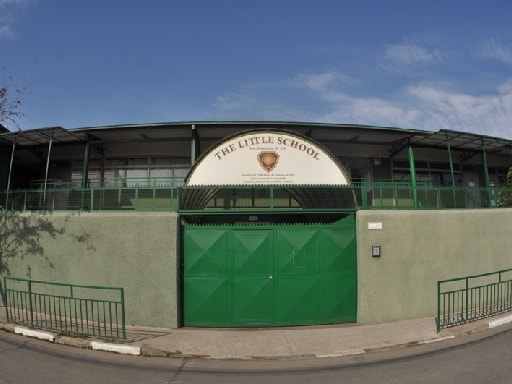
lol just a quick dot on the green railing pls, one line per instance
(465, 299)
(66, 308)
(161, 195)
(94, 199)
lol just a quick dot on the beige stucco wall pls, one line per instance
(137, 251)
(140, 252)
(418, 248)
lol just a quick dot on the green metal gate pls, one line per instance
(248, 276)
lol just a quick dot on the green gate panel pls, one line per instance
(297, 250)
(246, 276)
(205, 285)
(206, 251)
(298, 301)
(252, 262)
(252, 252)
(339, 300)
(252, 301)
(339, 272)
(338, 249)
(206, 301)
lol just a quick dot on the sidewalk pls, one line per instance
(269, 343)
(291, 342)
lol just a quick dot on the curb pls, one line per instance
(123, 349)
(118, 348)
(36, 334)
(498, 322)
(148, 351)
(349, 352)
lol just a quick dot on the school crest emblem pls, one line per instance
(268, 160)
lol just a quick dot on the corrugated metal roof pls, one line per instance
(465, 141)
(41, 136)
(216, 130)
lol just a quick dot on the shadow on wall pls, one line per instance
(21, 234)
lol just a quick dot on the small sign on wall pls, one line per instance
(374, 226)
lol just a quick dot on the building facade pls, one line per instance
(244, 224)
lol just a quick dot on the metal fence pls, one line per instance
(93, 199)
(164, 196)
(465, 299)
(66, 308)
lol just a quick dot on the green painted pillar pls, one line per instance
(85, 171)
(486, 168)
(486, 175)
(454, 194)
(85, 175)
(50, 143)
(412, 167)
(194, 145)
(10, 172)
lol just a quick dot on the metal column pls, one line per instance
(47, 170)
(486, 174)
(451, 171)
(85, 172)
(85, 175)
(412, 167)
(194, 145)
(10, 172)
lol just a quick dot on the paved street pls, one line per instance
(482, 357)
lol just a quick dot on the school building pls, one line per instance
(258, 224)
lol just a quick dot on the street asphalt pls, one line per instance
(267, 343)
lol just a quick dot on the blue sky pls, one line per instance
(409, 64)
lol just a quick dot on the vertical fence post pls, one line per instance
(467, 298)
(438, 306)
(154, 198)
(4, 298)
(91, 208)
(30, 302)
(364, 196)
(123, 316)
(381, 198)
(3, 291)
(500, 304)
(412, 166)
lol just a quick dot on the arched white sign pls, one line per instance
(267, 158)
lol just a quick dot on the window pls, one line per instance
(132, 172)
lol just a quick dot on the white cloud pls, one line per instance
(432, 108)
(485, 114)
(323, 97)
(407, 57)
(4, 3)
(320, 81)
(233, 101)
(495, 50)
(5, 29)
(420, 106)
(8, 17)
